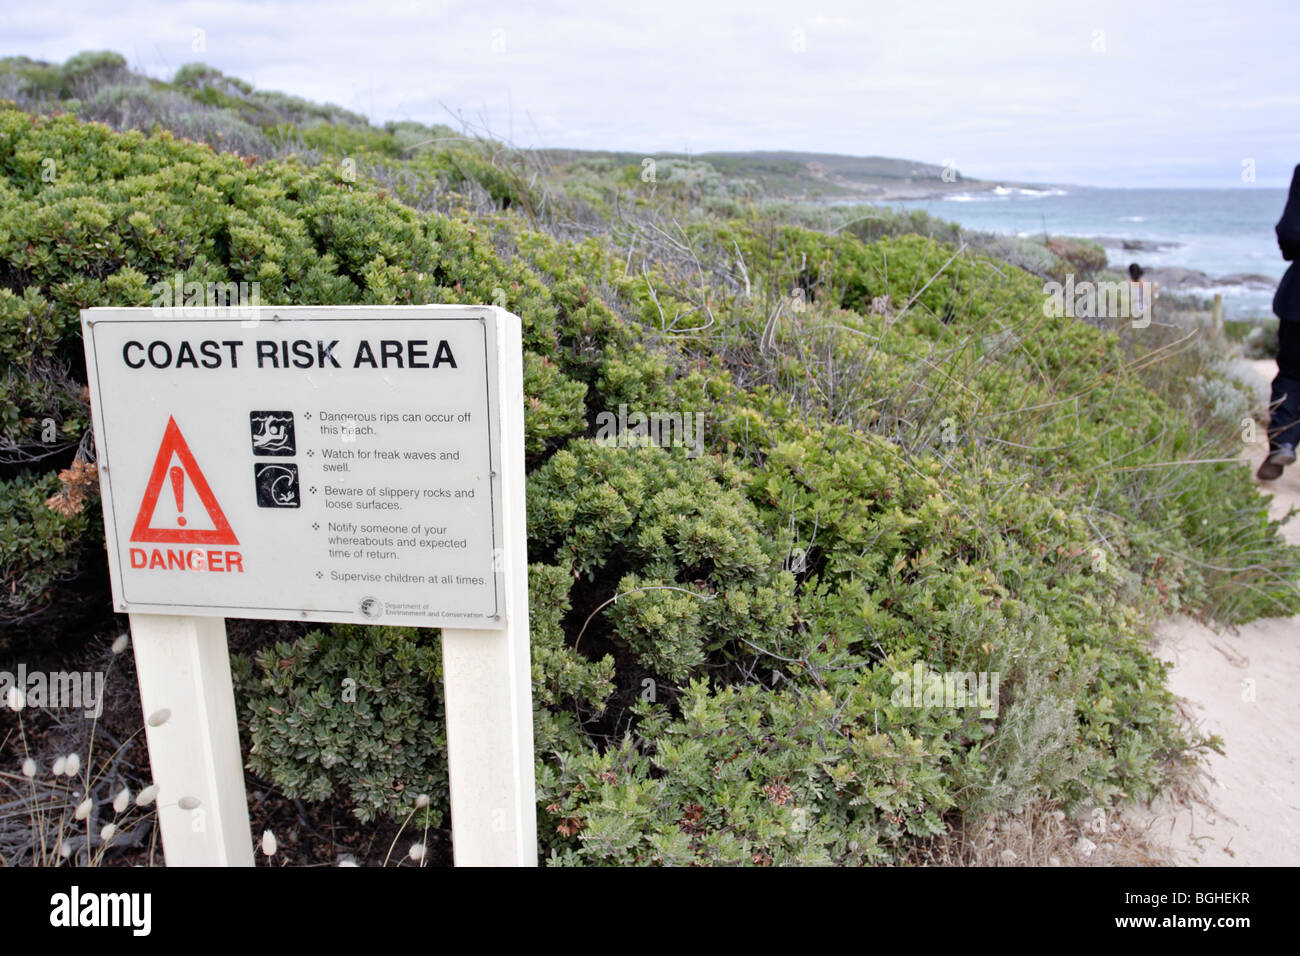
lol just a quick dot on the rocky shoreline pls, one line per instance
(1178, 279)
(1134, 245)
(930, 190)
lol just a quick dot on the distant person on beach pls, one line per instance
(1284, 423)
(1137, 294)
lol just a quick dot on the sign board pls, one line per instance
(358, 464)
(318, 464)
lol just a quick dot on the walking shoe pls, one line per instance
(1281, 456)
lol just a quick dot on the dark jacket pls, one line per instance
(1286, 301)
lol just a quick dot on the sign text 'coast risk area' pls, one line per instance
(320, 464)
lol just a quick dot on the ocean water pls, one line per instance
(1220, 232)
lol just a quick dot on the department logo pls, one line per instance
(371, 608)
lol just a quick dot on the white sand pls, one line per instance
(1244, 687)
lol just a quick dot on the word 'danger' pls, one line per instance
(328, 464)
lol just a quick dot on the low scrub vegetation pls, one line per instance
(907, 469)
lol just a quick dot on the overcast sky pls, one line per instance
(1107, 93)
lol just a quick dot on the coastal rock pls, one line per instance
(1177, 279)
(1135, 245)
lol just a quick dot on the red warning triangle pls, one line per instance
(173, 443)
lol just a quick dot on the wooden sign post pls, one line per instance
(487, 679)
(332, 464)
(183, 668)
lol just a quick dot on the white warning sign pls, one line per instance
(327, 464)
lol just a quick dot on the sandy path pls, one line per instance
(1244, 687)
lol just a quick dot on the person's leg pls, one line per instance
(1284, 428)
(1284, 422)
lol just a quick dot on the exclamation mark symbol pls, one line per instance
(177, 476)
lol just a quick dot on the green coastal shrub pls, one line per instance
(84, 72)
(674, 545)
(354, 710)
(749, 775)
(200, 76)
(1080, 258)
(40, 549)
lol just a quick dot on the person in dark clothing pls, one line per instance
(1137, 291)
(1284, 423)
